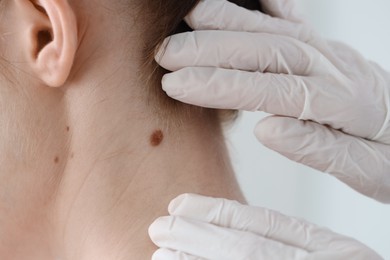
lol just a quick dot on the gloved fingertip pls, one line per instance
(165, 82)
(171, 85)
(280, 134)
(264, 129)
(162, 254)
(160, 51)
(175, 204)
(273, 128)
(158, 229)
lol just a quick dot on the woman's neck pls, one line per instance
(123, 167)
(115, 185)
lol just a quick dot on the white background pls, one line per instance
(269, 180)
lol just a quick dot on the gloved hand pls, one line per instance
(207, 228)
(241, 59)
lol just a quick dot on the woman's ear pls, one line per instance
(50, 38)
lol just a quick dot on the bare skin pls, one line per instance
(82, 171)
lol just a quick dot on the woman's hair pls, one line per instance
(161, 19)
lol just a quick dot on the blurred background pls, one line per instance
(270, 180)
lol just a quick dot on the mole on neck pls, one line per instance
(156, 138)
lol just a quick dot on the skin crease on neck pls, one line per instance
(85, 168)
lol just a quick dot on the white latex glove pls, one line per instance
(217, 229)
(241, 59)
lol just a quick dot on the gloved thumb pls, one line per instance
(359, 163)
(284, 9)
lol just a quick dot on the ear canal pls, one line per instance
(44, 38)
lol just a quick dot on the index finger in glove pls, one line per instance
(260, 221)
(233, 89)
(229, 50)
(224, 15)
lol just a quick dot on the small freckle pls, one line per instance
(156, 138)
(72, 155)
(56, 160)
(67, 129)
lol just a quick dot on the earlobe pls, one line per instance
(52, 34)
